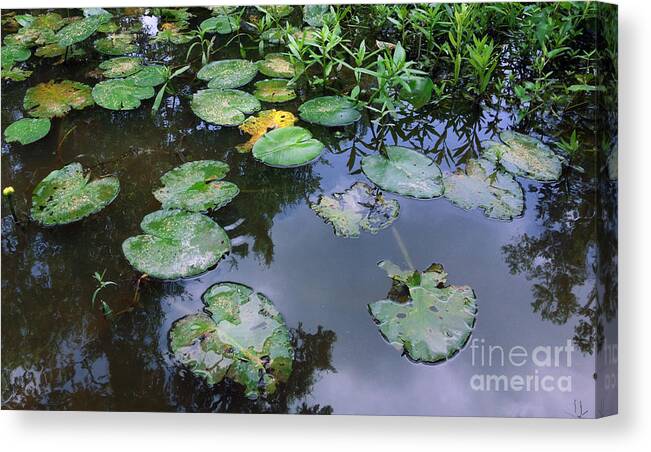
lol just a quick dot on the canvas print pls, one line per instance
(371, 209)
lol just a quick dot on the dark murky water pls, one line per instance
(60, 353)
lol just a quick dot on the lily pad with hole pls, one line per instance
(116, 44)
(240, 336)
(27, 130)
(404, 171)
(51, 99)
(360, 208)
(121, 94)
(67, 195)
(315, 15)
(483, 186)
(121, 67)
(276, 65)
(80, 30)
(287, 147)
(423, 317)
(224, 107)
(274, 90)
(10, 55)
(153, 75)
(228, 74)
(196, 187)
(222, 24)
(525, 156)
(329, 111)
(176, 244)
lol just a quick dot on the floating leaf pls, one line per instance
(108, 27)
(224, 107)
(196, 187)
(66, 196)
(222, 24)
(12, 54)
(27, 130)
(276, 11)
(358, 208)
(227, 74)
(436, 320)
(16, 74)
(173, 33)
(404, 171)
(121, 94)
(174, 14)
(120, 67)
(276, 35)
(50, 51)
(315, 15)
(80, 30)
(274, 90)
(330, 111)
(116, 44)
(287, 147)
(525, 156)
(483, 186)
(150, 76)
(420, 91)
(176, 244)
(240, 336)
(257, 126)
(276, 65)
(49, 100)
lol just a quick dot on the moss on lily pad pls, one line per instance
(240, 336)
(51, 99)
(224, 107)
(228, 74)
(121, 67)
(276, 65)
(274, 91)
(27, 130)
(287, 147)
(66, 195)
(329, 111)
(121, 94)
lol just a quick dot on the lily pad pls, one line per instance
(27, 130)
(176, 244)
(121, 94)
(276, 65)
(116, 44)
(329, 111)
(404, 171)
(287, 147)
(80, 30)
(13, 54)
(66, 195)
(49, 100)
(276, 11)
(258, 125)
(240, 336)
(420, 91)
(525, 156)
(358, 208)
(120, 67)
(153, 75)
(222, 24)
(227, 74)
(274, 90)
(483, 186)
(315, 15)
(435, 320)
(172, 33)
(16, 74)
(224, 107)
(196, 187)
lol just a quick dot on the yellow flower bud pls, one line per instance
(8, 191)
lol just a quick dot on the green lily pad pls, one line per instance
(420, 91)
(483, 186)
(66, 196)
(16, 74)
(121, 94)
(404, 171)
(108, 27)
(525, 156)
(287, 147)
(121, 67)
(49, 100)
(329, 111)
(240, 336)
(116, 44)
(176, 244)
(435, 320)
(224, 107)
(50, 51)
(27, 130)
(315, 15)
(153, 75)
(80, 30)
(13, 54)
(196, 187)
(276, 65)
(358, 208)
(274, 90)
(277, 11)
(222, 24)
(172, 33)
(227, 74)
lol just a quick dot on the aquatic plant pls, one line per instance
(258, 125)
(27, 130)
(329, 111)
(228, 74)
(168, 76)
(51, 99)
(274, 90)
(287, 147)
(120, 94)
(101, 285)
(224, 107)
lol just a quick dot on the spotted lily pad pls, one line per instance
(153, 75)
(49, 100)
(222, 24)
(13, 54)
(16, 74)
(483, 186)
(404, 171)
(66, 195)
(274, 90)
(80, 30)
(525, 156)
(258, 125)
(240, 336)
(228, 74)
(176, 244)
(121, 94)
(196, 187)
(330, 111)
(27, 130)
(276, 11)
(224, 107)
(358, 208)
(426, 319)
(120, 67)
(116, 44)
(287, 147)
(276, 65)
(315, 15)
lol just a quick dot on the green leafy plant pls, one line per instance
(169, 75)
(483, 60)
(101, 285)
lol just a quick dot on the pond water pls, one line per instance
(58, 352)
